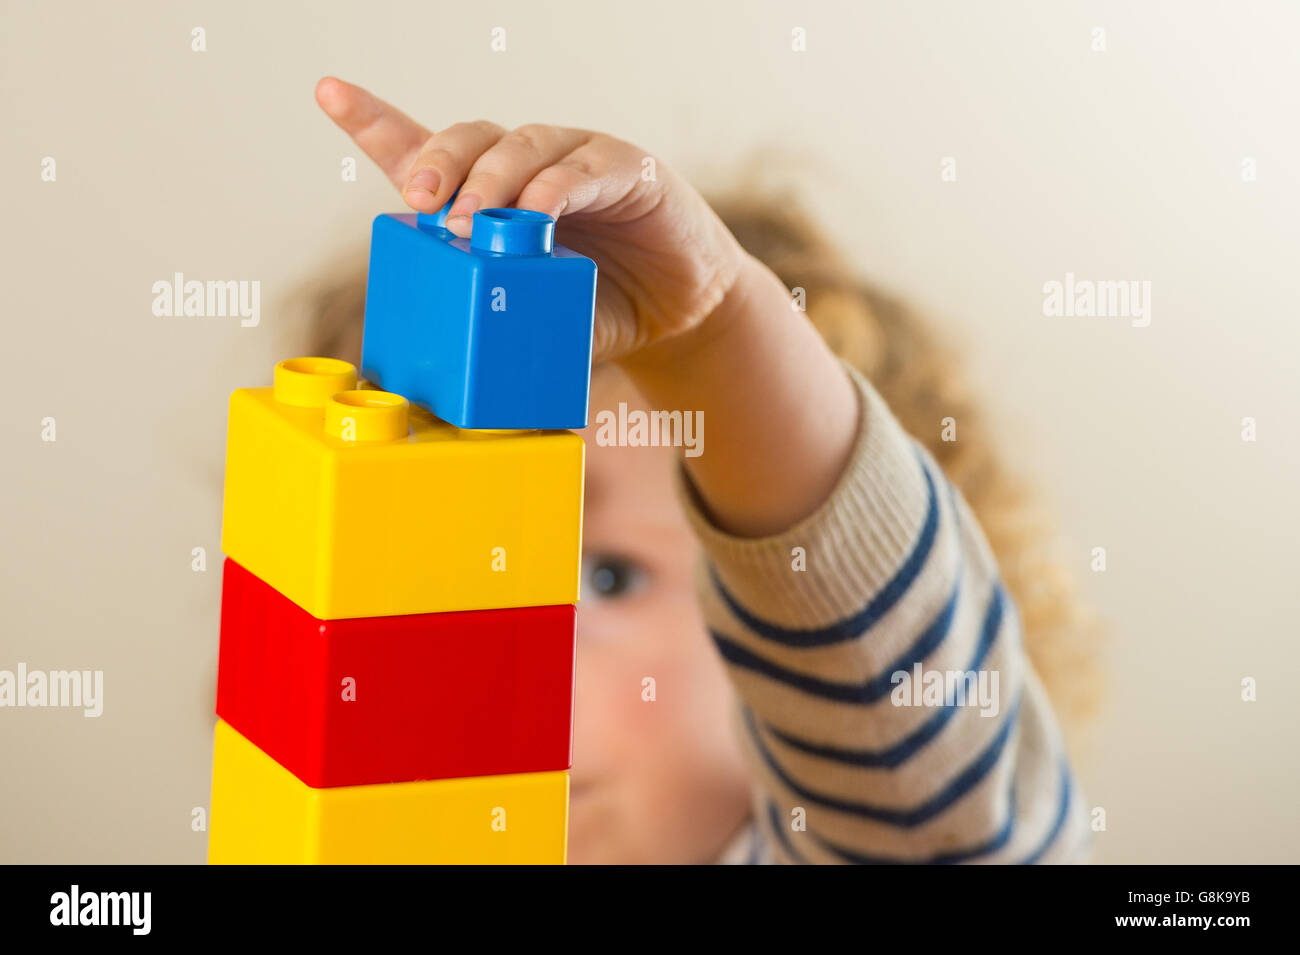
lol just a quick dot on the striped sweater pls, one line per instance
(829, 628)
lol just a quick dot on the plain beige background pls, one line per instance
(1123, 164)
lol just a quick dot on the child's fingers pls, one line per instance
(444, 161)
(592, 178)
(498, 175)
(556, 188)
(387, 135)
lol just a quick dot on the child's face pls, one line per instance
(653, 780)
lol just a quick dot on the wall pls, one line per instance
(1122, 164)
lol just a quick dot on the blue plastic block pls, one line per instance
(493, 332)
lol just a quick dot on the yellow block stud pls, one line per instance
(367, 416)
(322, 477)
(310, 382)
(263, 814)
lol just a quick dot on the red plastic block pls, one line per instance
(438, 695)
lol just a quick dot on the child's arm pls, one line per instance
(838, 557)
(801, 457)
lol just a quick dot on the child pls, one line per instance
(772, 702)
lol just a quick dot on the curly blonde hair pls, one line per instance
(921, 381)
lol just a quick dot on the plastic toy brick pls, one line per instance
(262, 814)
(393, 699)
(352, 503)
(490, 332)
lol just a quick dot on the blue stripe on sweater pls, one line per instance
(1062, 813)
(778, 826)
(994, 843)
(961, 785)
(869, 691)
(851, 627)
(998, 841)
(897, 754)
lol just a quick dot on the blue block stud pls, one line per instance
(493, 332)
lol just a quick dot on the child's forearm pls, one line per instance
(779, 412)
(834, 656)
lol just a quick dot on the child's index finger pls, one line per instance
(386, 134)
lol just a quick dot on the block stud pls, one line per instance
(310, 382)
(367, 416)
(512, 232)
(436, 221)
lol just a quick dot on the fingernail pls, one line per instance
(460, 225)
(425, 179)
(466, 204)
(420, 199)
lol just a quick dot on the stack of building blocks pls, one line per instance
(395, 681)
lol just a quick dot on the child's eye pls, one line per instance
(608, 577)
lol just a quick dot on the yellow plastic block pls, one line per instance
(356, 504)
(263, 815)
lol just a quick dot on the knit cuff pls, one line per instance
(829, 565)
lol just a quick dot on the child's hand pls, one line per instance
(782, 415)
(665, 259)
